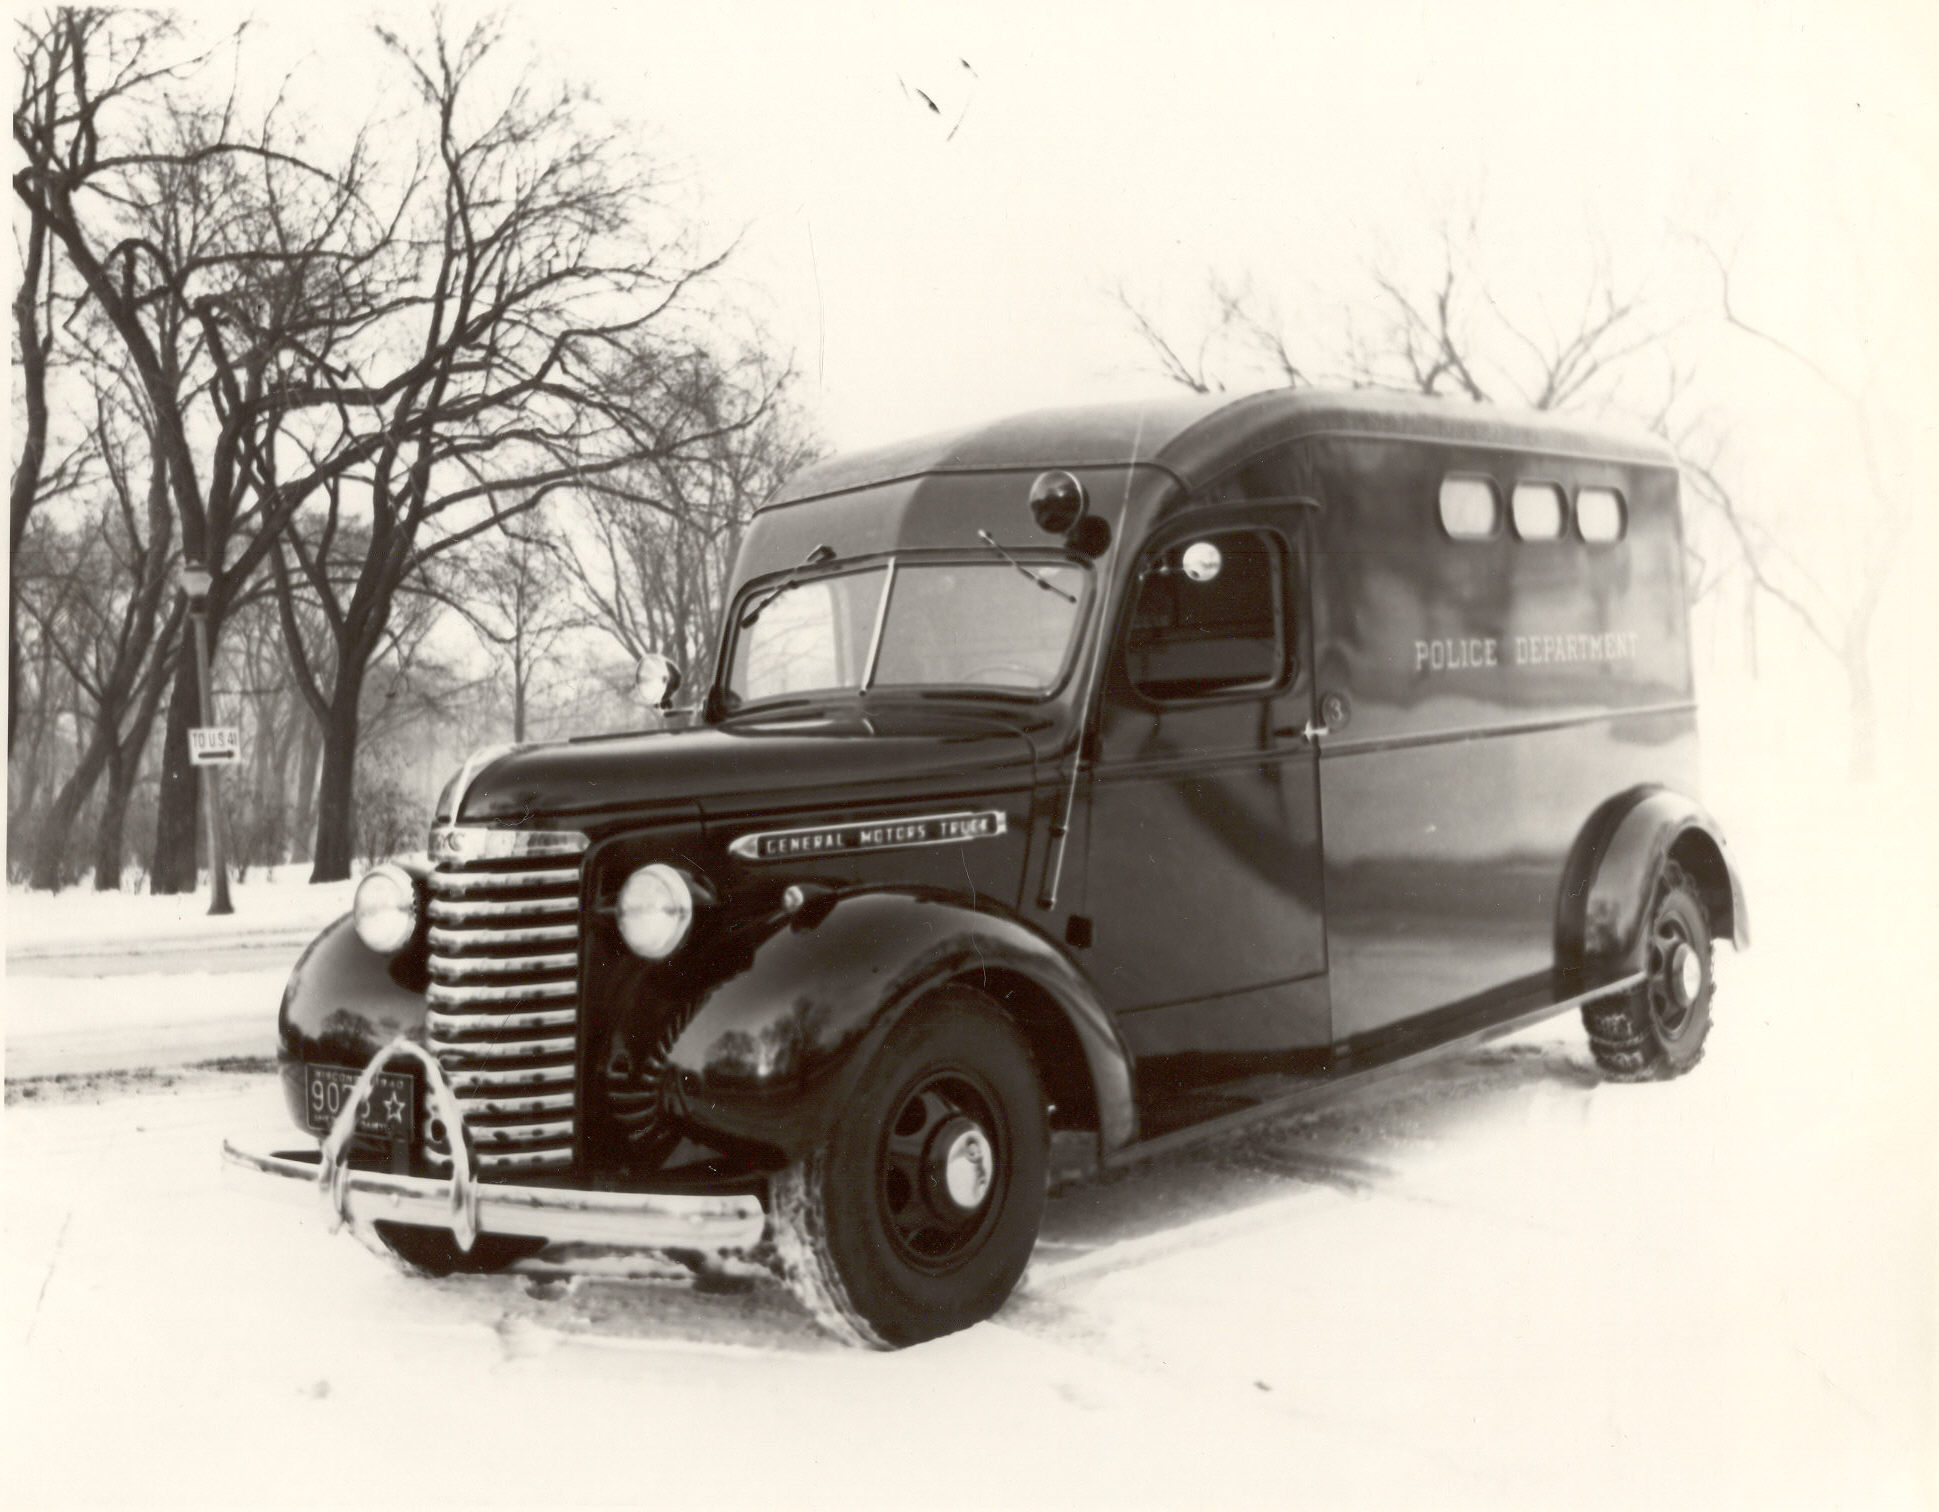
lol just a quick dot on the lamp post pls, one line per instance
(196, 582)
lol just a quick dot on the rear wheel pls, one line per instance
(918, 1215)
(1656, 1030)
(435, 1250)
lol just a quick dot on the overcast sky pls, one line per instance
(934, 263)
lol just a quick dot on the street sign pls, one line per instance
(215, 745)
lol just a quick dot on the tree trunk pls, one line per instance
(110, 830)
(178, 808)
(33, 352)
(124, 770)
(13, 665)
(309, 751)
(24, 793)
(49, 871)
(336, 796)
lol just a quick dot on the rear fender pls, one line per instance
(774, 1050)
(1606, 886)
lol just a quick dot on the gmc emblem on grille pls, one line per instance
(448, 844)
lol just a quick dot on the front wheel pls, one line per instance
(919, 1213)
(1656, 1031)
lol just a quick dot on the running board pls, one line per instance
(1325, 1089)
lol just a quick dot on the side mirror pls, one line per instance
(656, 680)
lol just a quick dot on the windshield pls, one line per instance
(910, 624)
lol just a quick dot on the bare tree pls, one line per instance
(39, 306)
(651, 558)
(1834, 594)
(538, 295)
(214, 256)
(136, 660)
(512, 591)
(97, 607)
(1445, 328)
(350, 370)
(270, 795)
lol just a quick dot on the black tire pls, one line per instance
(435, 1250)
(917, 1216)
(1657, 1030)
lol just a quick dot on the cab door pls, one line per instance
(1203, 864)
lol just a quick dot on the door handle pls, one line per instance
(1334, 711)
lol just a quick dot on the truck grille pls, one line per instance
(503, 1001)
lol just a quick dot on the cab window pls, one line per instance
(1209, 617)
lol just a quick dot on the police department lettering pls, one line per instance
(1452, 654)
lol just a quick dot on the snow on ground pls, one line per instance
(39, 923)
(1502, 1284)
(118, 981)
(112, 1023)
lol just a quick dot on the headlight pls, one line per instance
(655, 911)
(385, 908)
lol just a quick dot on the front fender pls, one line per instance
(772, 1052)
(343, 1003)
(1606, 887)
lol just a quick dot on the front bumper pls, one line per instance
(637, 1220)
(709, 1221)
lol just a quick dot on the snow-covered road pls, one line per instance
(115, 981)
(1501, 1285)
(67, 1025)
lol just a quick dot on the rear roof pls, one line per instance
(1198, 437)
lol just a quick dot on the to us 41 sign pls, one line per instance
(215, 745)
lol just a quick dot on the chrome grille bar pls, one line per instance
(527, 1049)
(504, 996)
(480, 938)
(460, 966)
(466, 1079)
(492, 1107)
(520, 1134)
(460, 911)
(451, 992)
(453, 1025)
(508, 881)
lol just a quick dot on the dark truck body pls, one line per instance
(1204, 868)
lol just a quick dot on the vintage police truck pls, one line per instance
(1122, 773)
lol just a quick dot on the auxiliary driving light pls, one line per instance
(655, 911)
(385, 908)
(1057, 502)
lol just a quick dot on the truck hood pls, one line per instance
(756, 765)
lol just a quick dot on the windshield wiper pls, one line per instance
(1041, 581)
(814, 559)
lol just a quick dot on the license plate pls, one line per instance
(388, 1113)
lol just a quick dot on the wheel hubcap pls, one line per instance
(1687, 975)
(968, 1167)
(1676, 975)
(940, 1171)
